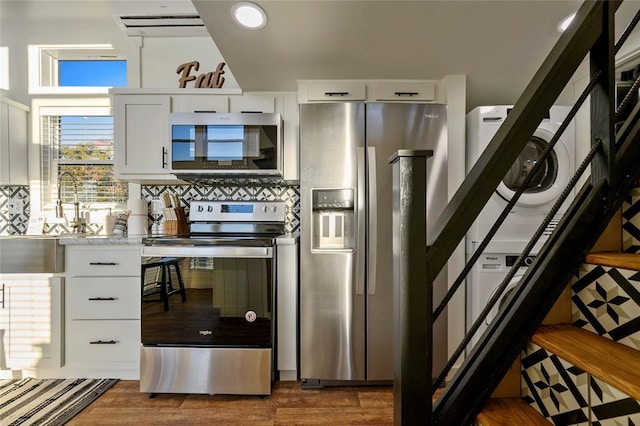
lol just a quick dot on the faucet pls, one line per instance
(78, 224)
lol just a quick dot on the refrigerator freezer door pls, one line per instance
(389, 127)
(331, 310)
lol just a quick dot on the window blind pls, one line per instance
(83, 147)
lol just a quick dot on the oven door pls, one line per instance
(228, 296)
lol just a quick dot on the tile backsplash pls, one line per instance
(186, 193)
(15, 203)
(14, 209)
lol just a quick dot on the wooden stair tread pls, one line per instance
(615, 259)
(604, 359)
(508, 412)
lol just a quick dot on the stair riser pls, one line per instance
(631, 222)
(606, 301)
(566, 395)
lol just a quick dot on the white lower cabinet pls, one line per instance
(30, 322)
(102, 310)
(110, 343)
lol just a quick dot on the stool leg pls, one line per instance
(183, 291)
(169, 279)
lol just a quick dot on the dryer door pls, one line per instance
(549, 181)
(510, 287)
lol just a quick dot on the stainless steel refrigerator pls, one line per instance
(346, 273)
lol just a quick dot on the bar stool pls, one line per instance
(162, 283)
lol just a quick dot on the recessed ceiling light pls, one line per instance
(249, 15)
(564, 24)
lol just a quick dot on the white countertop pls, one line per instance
(288, 239)
(100, 239)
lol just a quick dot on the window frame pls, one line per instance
(43, 66)
(87, 106)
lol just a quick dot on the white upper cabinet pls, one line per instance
(401, 91)
(199, 103)
(141, 136)
(334, 91)
(142, 139)
(13, 143)
(252, 103)
(420, 91)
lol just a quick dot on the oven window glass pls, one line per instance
(227, 302)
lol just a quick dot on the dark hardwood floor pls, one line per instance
(288, 404)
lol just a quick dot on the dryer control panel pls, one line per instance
(510, 260)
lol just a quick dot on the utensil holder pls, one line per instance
(175, 222)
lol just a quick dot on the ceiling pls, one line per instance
(498, 45)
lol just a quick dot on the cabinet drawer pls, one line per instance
(336, 92)
(103, 298)
(103, 341)
(404, 91)
(99, 262)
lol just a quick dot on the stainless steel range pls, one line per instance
(216, 336)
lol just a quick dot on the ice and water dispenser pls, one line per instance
(333, 220)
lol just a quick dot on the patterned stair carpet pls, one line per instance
(47, 401)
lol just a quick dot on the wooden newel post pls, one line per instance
(412, 291)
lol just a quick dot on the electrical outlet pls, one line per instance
(16, 206)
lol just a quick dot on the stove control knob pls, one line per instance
(274, 209)
(200, 208)
(210, 209)
(264, 209)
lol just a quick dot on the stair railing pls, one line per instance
(612, 173)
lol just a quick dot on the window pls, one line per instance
(75, 69)
(74, 131)
(81, 146)
(92, 73)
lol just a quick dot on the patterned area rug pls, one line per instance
(47, 401)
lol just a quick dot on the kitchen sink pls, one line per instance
(21, 254)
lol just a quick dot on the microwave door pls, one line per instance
(226, 144)
(200, 153)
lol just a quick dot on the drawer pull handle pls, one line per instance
(102, 298)
(103, 342)
(406, 93)
(102, 263)
(336, 93)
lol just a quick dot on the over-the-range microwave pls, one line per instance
(226, 144)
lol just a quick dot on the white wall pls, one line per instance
(91, 22)
(46, 22)
(161, 56)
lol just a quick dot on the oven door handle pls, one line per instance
(208, 251)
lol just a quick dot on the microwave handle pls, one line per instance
(164, 157)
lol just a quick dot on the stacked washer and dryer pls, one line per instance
(527, 214)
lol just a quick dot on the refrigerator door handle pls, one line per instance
(360, 235)
(372, 233)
